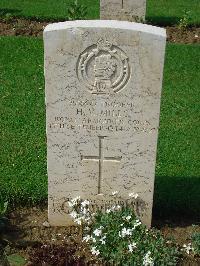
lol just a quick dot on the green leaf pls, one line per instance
(16, 260)
(3, 207)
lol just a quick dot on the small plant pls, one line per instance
(7, 17)
(118, 237)
(76, 11)
(3, 209)
(185, 20)
(188, 248)
(196, 242)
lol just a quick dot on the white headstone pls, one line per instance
(103, 89)
(131, 10)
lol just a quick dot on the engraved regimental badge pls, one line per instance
(103, 68)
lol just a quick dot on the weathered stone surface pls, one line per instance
(103, 89)
(131, 10)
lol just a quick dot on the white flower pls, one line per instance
(148, 261)
(137, 223)
(128, 217)
(95, 251)
(78, 221)
(133, 195)
(70, 204)
(84, 211)
(196, 36)
(88, 222)
(97, 232)
(113, 208)
(74, 201)
(108, 210)
(132, 246)
(93, 240)
(74, 214)
(125, 232)
(115, 193)
(87, 238)
(188, 248)
(85, 203)
(103, 240)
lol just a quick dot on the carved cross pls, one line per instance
(101, 159)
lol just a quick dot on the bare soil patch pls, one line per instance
(25, 27)
(22, 27)
(30, 235)
(187, 36)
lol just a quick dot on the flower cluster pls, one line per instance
(81, 212)
(125, 232)
(113, 208)
(132, 246)
(128, 232)
(118, 236)
(96, 236)
(188, 248)
(95, 251)
(148, 260)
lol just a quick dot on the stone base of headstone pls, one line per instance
(127, 10)
(102, 203)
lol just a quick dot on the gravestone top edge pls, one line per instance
(106, 24)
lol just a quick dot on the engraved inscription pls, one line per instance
(138, 205)
(101, 159)
(103, 68)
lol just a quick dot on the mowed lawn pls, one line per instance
(23, 143)
(158, 11)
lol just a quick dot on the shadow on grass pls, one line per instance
(17, 14)
(177, 200)
(162, 21)
(10, 11)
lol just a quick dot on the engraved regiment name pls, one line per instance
(103, 68)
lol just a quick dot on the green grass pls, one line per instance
(23, 145)
(160, 12)
(177, 188)
(167, 12)
(46, 9)
(179, 135)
